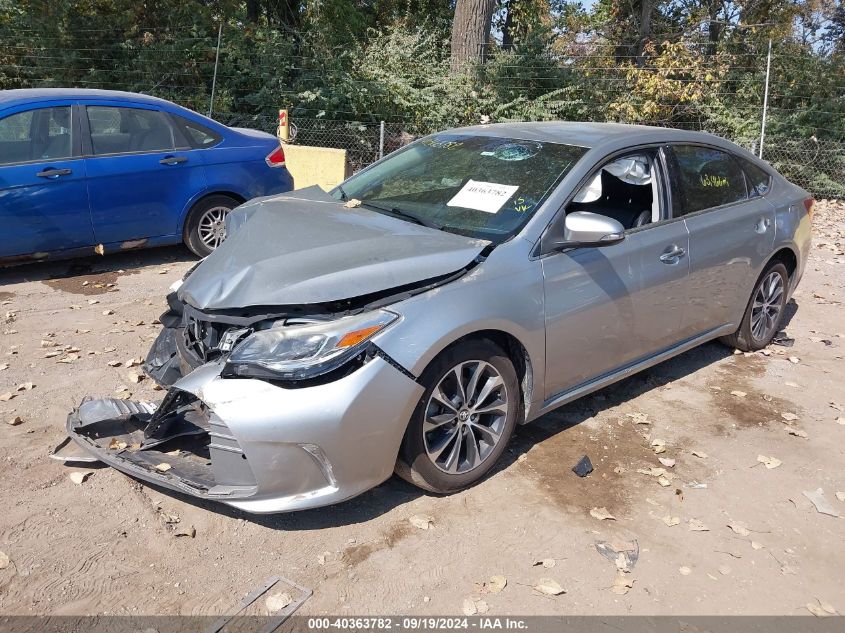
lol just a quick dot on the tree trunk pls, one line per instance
(252, 10)
(471, 31)
(507, 28)
(644, 34)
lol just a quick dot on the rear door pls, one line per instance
(731, 231)
(43, 199)
(612, 306)
(141, 171)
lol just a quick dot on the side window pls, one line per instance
(624, 189)
(759, 181)
(198, 135)
(43, 134)
(706, 178)
(119, 130)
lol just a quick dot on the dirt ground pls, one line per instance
(105, 546)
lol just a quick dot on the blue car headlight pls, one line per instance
(295, 351)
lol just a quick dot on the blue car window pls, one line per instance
(42, 134)
(198, 135)
(120, 130)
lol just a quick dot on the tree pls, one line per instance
(471, 32)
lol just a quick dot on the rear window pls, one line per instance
(759, 181)
(706, 178)
(197, 135)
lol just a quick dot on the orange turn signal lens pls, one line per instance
(350, 339)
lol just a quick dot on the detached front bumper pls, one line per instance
(254, 445)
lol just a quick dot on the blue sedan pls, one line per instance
(84, 168)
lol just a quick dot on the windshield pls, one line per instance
(480, 186)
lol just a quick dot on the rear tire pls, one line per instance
(464, 419)
(204, 228)
(764, 312)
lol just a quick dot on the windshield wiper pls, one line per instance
(343, 195)
(406, 215)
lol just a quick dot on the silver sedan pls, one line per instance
(467, 283)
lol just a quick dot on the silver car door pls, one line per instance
(731, 234)
(608, 307)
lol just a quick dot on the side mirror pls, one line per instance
(582, 228)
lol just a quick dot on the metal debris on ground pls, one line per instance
(783, 340)
(822, 505)
(584, 467)
(278, 618)
(623, 554)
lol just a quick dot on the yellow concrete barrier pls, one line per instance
(323, 166)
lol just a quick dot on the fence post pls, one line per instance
(381, 140)
(765, 100)
(216, 63)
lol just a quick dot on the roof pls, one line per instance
(588, 134)
(28, 95)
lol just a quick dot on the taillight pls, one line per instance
(810, 205)
(276, 158)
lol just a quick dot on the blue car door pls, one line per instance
(141, 172)
(43, 199)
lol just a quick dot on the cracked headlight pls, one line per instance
(298, 351)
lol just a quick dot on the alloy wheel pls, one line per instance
(465, 417)
(765, 311)
(212, 226)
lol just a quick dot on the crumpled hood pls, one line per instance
(305, 247)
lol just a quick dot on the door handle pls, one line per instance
(173, 160)
(52, 172)
(673, 255)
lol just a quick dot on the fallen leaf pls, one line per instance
(48, 344)
(756, 545)
(352, 203)
(108, 312)
(78, 477)
(699, 454)
(602, 514)
(739, 394)
(840, 420)
(189, 531)
(658, 446)
(623, 554)
(117, 445)
(621, 584)
(549, 587)
(664, 481)
(6, 396)
(653, 471)
(548, 563)
(789, 417)
(739, 528)
(469, 607)
(670, 520)
(277, 601)
(840, 496)
(496, 584)
(135, 377)
(163, 467)
(114, 363)
(422, 521)
(14, 421)
(132, 362)
(822, 505)
(4, 366)
(697, 526)
(100, 249)
(4, 560)
(837, 406)
(724, 570)
(639, 418)
(685, 571)
(667, 461)
(25, 386)
(819, 610)
(769, 462)
(796, 432)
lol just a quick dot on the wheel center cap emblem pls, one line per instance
(463, 416)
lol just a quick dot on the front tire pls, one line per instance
(464, 419)
(205, 227)
(764, 312)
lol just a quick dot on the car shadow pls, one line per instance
(128, 262)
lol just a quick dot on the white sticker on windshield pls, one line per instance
(483, 196)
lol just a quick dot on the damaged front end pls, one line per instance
(268, 412)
